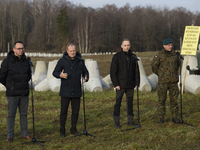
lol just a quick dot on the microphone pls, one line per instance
(179, 55)
(136, 57)
(29, 60)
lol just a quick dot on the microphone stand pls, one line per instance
(181, 120)
(84, 131)
(138, 125)
(33, 138)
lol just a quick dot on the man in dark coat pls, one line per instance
(70, 68)
(125, 76)
(15, 75)
(166, 64)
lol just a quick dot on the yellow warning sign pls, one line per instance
(190, 40)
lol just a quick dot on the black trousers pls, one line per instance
(129, 101)
(75, 104)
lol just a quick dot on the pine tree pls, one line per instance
(62, 28)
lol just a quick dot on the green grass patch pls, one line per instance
(99, 110)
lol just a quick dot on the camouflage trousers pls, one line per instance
(173, 95)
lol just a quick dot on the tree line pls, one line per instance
(48, 25)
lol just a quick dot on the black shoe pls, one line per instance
(175, 120)
(131, 124)
(74, 131)
(62, 132)
(161, 120)
(62, 135)
(117, 125)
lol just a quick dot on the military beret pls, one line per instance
(167, 41)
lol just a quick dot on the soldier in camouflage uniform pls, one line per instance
(166, 64)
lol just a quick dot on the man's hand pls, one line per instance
(63, 75)
(117, 88)
(85, 79)
(136, 87)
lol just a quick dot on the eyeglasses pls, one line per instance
(19, 48)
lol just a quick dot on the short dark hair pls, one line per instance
(126, 39)
(70, 44)
(17, 42)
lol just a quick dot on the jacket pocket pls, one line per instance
(10, 85)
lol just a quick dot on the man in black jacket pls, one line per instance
(125, 76)
(15, 75)
(70, 68)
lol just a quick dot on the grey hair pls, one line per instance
(70, 44)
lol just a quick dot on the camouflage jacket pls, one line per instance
(166, 64)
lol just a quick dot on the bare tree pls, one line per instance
(3, 24)
(44, 14)
(93, 30)
(85, 33)
(109, 28)
(17, 23)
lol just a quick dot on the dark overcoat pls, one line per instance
(71, 87)
(124, 70)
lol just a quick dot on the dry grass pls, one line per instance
(99, 109)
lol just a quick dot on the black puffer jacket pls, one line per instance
(124, 70)
(71, 87)
(15, 75)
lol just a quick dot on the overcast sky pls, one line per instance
(192, 5)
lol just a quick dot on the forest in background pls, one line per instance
(48, 25)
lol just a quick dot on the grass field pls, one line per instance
(99, 109)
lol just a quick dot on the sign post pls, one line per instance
(189, 46)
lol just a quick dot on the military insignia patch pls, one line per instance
(155, 56)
